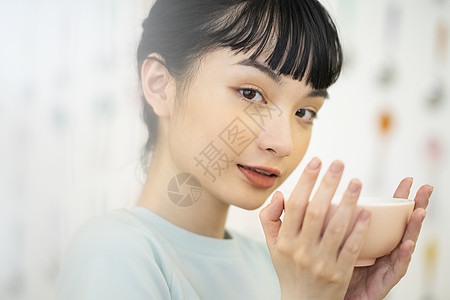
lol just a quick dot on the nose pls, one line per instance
(276, 137)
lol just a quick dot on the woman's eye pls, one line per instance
(251, 95)
(306, 115)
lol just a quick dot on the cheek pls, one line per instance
(197, 140)
(301, 143)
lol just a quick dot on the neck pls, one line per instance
(207, 216)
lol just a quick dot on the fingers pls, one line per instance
(415, 222)
(339, 223)
(270, 218)
(318, 207)
(352, 246)
(403, 188)
(414, 225)
(297, 203)
(398, 261)
(402, 260)
(423, 196)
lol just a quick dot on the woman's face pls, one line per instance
(241, 129)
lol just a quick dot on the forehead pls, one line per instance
(225, 64)
(239, 62)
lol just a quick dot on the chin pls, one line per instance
(250, 203)
(248, 206)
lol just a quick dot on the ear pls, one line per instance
(155, 79)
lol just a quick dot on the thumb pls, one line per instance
(270, 218)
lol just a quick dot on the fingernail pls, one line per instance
(365, 215)
(314, 164)
(424, 214)
(354, 186)
(336, 167)
(275, 197)
(272, 201)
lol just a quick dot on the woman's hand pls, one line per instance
(376, 281)
(313, 261)
(316, 262)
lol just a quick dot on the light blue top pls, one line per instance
(135, 254)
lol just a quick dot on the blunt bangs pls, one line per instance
(297, 38)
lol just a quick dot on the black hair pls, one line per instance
(297, 38)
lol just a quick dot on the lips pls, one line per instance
(260, 177)
(262, 170)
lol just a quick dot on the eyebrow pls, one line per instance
(319, 93)
(276, 77)
(261, 67)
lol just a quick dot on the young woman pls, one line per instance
(231, 89)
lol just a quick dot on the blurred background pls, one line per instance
(71, 132)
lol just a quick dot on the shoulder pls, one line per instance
(110, 255)
(118, 228)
